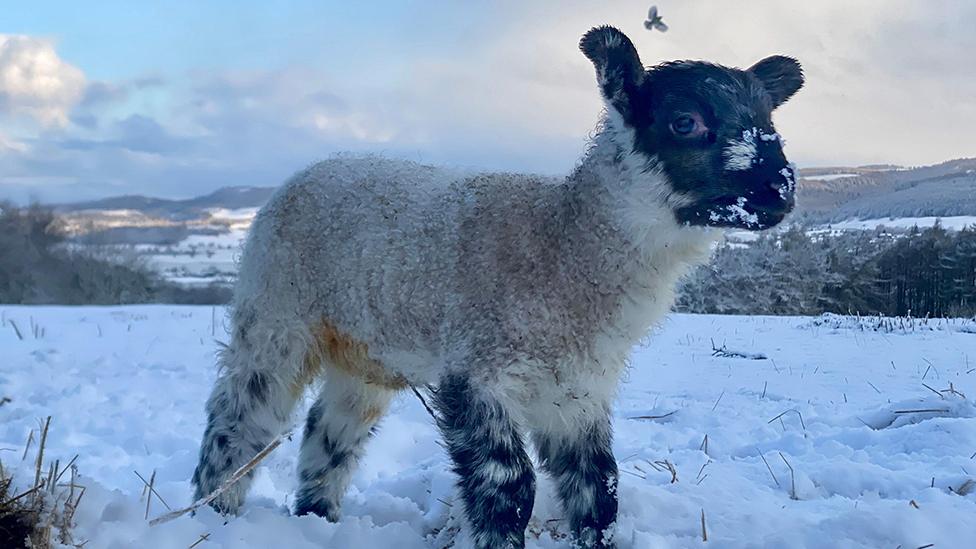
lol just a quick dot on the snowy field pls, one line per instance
(198, 259)
(952, 223)
(840, 404)
(201, 259)
(830, 177)
(211, 254)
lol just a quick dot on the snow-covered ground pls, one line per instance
(202, 259)
(835, 401)
(198, 259)
(739, 238)
(831, 176)
(952, 223)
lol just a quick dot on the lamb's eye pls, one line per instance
(684, 125)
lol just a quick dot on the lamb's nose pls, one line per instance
(775, 172)
(775, 177)
(776, 183)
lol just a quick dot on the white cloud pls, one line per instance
(35, 82)
(887, 80)
(8, 144)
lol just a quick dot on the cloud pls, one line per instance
(300, 100)
(887, 80)
(35, 82)
(8, 144)
(101, 93)
(135, 133)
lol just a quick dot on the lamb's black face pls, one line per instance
(710, 128)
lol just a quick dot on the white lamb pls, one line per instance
(518, 297)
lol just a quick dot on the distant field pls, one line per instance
(953, 223)
(202, 259)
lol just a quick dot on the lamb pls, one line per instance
(518, 297)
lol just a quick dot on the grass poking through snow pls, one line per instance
(40, 516)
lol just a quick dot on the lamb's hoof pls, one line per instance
(320, 508)
(225, 508)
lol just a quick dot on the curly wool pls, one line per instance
(504, 276)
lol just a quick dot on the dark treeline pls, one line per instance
(930, 272)
(38, 266)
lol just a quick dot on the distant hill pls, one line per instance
(872, 192)
(230, 198)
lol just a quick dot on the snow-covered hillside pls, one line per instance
(952, 223)
(876, 456)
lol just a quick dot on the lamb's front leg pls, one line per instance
(577, 454)
(497, 483)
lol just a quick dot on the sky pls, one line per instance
(176, 99)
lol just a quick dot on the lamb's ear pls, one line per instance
(782, 77)
(618, 68)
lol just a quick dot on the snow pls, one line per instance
(120, 213)
(733, 212)
(198, 259)
(242, 216)
(830, 177)
(953, 223)
(741, 237)
(788, 175)
(840, 402)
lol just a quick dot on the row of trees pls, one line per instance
(929, 272)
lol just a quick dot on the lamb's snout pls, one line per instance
(770, 183)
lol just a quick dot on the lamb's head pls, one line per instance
(706, 127)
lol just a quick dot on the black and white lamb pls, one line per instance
(517, 296)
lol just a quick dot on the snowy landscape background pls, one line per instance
(781, 431)
(814, 386)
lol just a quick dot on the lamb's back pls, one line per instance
(382, 247)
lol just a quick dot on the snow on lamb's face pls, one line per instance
(708, 127)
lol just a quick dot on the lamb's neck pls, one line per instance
(622, 232)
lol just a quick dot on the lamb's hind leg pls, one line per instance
(260, 381)
(338, 426)
(577, 454)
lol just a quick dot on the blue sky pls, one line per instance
(179, 98)
(115, 40)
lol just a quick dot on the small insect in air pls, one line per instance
(654, 21)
